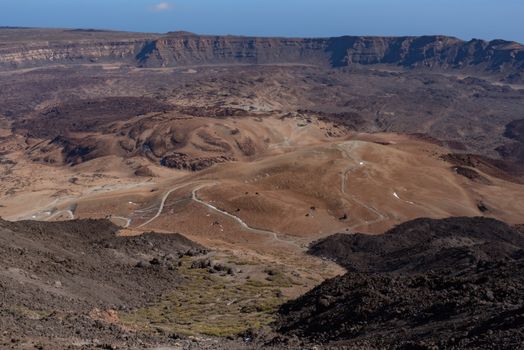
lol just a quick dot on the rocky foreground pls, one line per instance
(58, 281)
(426, 284)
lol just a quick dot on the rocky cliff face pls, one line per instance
(427, 51)
(181, 49)
(187, 49)
(45, 53)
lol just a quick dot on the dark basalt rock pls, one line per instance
(426, 284)
(183, 161)
(422, 245)
(471, 174)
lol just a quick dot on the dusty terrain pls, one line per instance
(253, 148)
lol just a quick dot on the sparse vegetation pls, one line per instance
(234, 305)
(32, 314)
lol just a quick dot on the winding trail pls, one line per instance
(47, 211)
(242, 223)
(194, 197)
(31, 215)
(68, 212)
(162, 203)
(347, 148)
(127, 220)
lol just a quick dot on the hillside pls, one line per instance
(450, 283)
(59, 280)
(421, 245)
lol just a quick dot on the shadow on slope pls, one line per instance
(451, 283)
(56, 277)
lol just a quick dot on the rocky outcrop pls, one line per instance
(87, 115)
(182, 49)
(184, 161)
(506, 169)
(426, 284)
(432, 245)
(514, 150)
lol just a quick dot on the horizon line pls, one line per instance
(94, 29)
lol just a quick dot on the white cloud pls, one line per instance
(162, 6)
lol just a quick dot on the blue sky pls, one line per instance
(486, 19)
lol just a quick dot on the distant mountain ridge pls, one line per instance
(31, 47)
